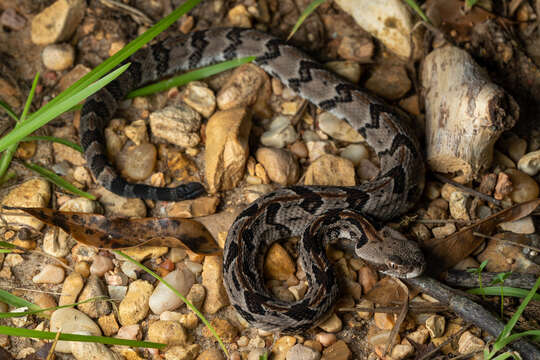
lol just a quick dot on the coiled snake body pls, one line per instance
(319, 214)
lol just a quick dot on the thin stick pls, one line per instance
(468, 190)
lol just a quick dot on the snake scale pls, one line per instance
(320, 215)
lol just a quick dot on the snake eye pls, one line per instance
(395, 261)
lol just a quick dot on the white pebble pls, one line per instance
(58, 57)
(163, 299)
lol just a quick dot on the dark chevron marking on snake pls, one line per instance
(319, 214)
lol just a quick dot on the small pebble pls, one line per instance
(50, 274)
(326, 339)
(279, 134)
(332, 325)
(530, 163)
(101, 265)
(163, 298)
(525, 188)
(301, 352)
(58, 57)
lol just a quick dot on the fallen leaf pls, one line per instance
(444, 253)
(120, 233)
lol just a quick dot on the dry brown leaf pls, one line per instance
(444, 253)
(118, 233)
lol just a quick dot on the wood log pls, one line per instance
(465, 113)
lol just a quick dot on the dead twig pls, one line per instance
(466, 189)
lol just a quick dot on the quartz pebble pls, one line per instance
(326, 339)
(279, 134)
(530, 163)
(301, 352)
(91, 351)
(58, 57)
(163, 298)
(69, 321)
(49, 274)
(355, 153)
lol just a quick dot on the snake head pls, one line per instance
(392, 253)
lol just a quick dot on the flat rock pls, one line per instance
(198, 96)
(33, 193)
(178, 125)
(168, 332)
(69, 321)
(337, 128)
(227, 149)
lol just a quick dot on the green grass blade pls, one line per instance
(33, 123)
(5, 251)
(417, 9)
(505, 356)
(7, 155)
(307, 11)
(8, 110)
(16, 301)
(190, 76)
(57, 180)
(32, 312)
(513, 320)
(508, 291)
(121, 55)
(7, 245)
(186, 301)
(57, 140)
(47, 335)
(29, 98)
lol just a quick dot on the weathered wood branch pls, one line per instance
(471, 312)
(465, 113)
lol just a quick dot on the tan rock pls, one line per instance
(94, 288)
(134, 307)
(178, 125)
(280, 165)
(227, 150)
(330, 170)
(188, 352)
(524, 186)
(116, 205)
(202, 206)
(337, 351)
(212, 280)
(141, 253)
(200, 97)
(225, 330)
(211, 354)
(71, 288)
(32, 193)
(282, 346)
(57, 22)
(278, 264)
(332, 325)
(243, 87)
(108, 324)
(168, 332)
